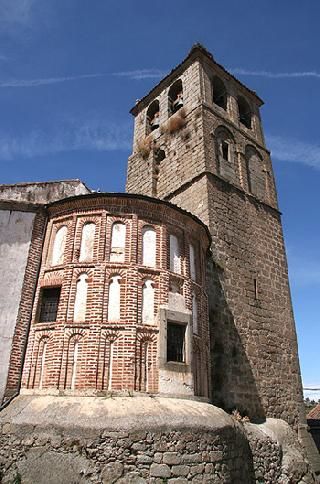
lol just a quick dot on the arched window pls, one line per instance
(153, 116)
(175, 254)
(148, 302)
(255, 172)
(245, 114)
(194, 313)
(87, 242)
(219, 93)
(149, 247)
(80, 303)
(224, 148)
(192, 261)
(118, 242)
(175, 97)
(114, 299)
(59, 245)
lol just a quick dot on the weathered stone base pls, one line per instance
(65, 440)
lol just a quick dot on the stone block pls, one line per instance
(160, 470)
(180, 470)
(171, 458)
(111, 472)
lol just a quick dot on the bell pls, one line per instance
(154, 122)
(177, 103)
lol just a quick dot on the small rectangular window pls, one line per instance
(49, 304)
(225, 150)
(176, 342)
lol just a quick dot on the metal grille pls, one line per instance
(49, 304)
(176, 342)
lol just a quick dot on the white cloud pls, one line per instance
(13, 12)
(286, 149)
(274, 75)
(89, 136)
(142, 74)
(312, 392)
(45, 81)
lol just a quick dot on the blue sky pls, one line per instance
(71, 70)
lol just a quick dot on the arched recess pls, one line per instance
(146, 351)
(118, 242)
(73, 362)
(175, 254)
(149, 246)
(245, 113)
(39, 377)
(192, 262)
(225, 153)
(175, 97)
(195, 320)
(59, 245)
(153, 116)
(256, 173)
(197, 369)
(80, 303)
(114, 299)
(148, 302)
(87, 242)
(219, 93)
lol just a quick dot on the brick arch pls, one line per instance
(75, 332)
(89, 271)
(43, 334)
(52, 279)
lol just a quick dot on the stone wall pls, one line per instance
(255, 365)
(50, 439)
(42, 192)
(15, 237)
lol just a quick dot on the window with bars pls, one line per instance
(49, 304)
(176, 342)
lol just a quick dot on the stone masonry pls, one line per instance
(63, 440)
(216, 167)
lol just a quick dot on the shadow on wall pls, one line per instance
(233, 384)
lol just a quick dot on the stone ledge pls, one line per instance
(114, 413)
(50, 439)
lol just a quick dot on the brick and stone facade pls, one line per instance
(123, 306)
(209, 157)
(118, 296)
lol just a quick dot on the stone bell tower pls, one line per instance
(198, 142)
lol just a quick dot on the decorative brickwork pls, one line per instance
(105, 336)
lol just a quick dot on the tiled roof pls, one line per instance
(314, 413)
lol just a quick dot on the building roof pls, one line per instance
(136, 196)
(197, 50)
(22, 184)
(314, 414)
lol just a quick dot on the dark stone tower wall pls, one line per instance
(255, 365)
